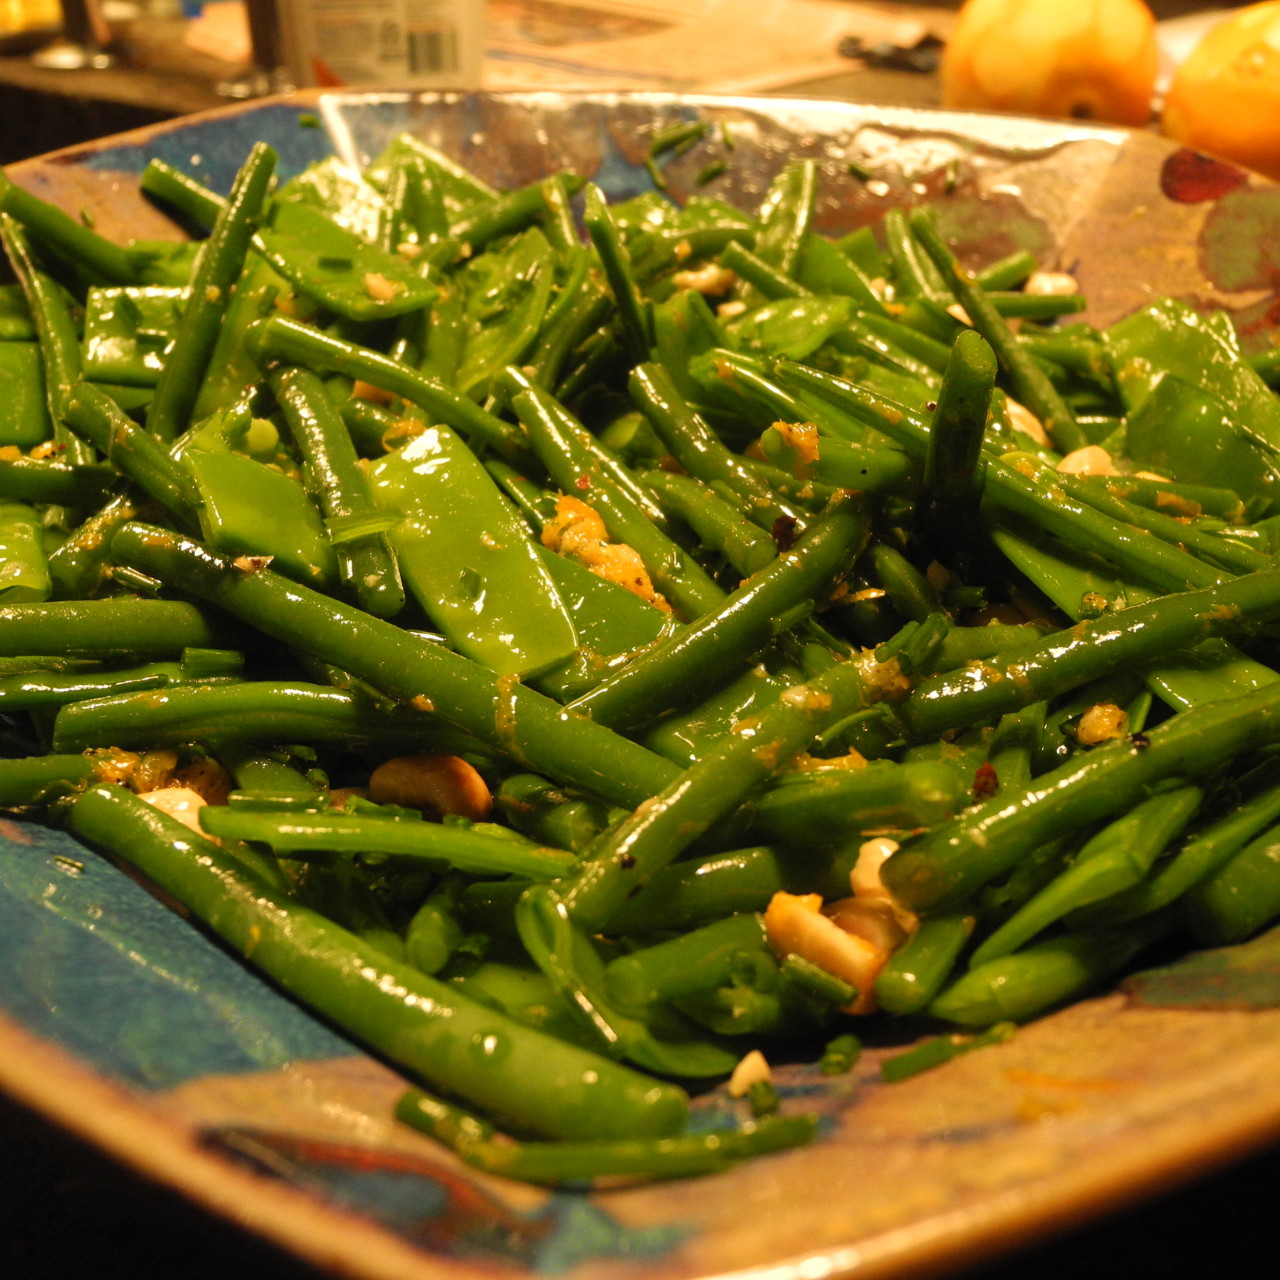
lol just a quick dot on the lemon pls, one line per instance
(1226, 97)
(1088, 59)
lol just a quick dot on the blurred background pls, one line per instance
(73, 70)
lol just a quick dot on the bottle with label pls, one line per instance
(400, 44)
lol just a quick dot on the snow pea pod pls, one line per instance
(1183, 430)
(529, 1080)
(468, 559)
(786, 215)
(505, 302)
(24, 571)
(350, 277)
(247, 508)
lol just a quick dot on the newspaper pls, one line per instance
(713, 46)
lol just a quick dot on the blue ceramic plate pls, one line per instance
(125, 1023)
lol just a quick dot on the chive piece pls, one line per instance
(940, 1049)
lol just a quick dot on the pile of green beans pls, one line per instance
(548, 600)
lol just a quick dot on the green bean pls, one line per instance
(376, 839)
(952, 474)
(173, 187)
(533, 1082)
(668, 675)
(1199, 858)
(366, 562)
(770, 281)
(29, 689)
(495, 709)
(1240, 897)
(44, 480)
(636, 323)
(40, 779)
(1224, 552)
(718, 524)
(61, 232)
(913, 273)
(220, 263)
(301, 344)
(1007, 272)
(696, 891)
(658, 832)
(486, 221)
(1087, 651)
(106, 628)
(821, 805)
(1034, 306)
(856, 467)
(1030, 384)
(909, 591)
(24, 571)
(556, 439)
(918, 969)
(956, 857)
(1174, 498)
(1024, 490)
(699, 451)
(135, 452)
(1025, 984)
(533, 805)
(252, 711)
(933, 1053)
(695, 961)
(1114, 859)
(55, 332)
(572, 1162)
